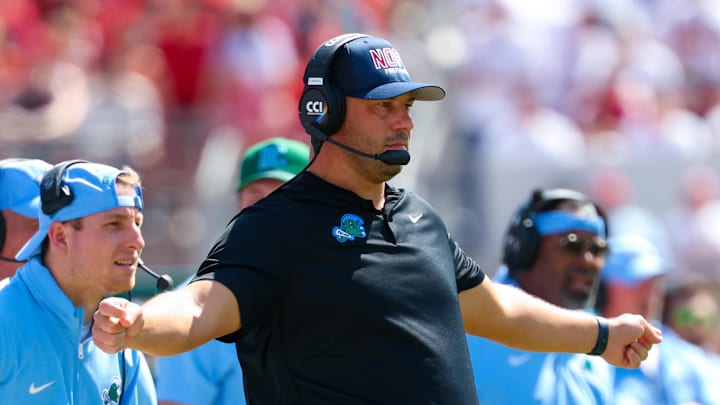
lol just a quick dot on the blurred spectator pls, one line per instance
(693, 224)
(19, 208)
(692, 310)
(676, 371)
(693, 33)
(125, 122)
(614, 191)
(506, 95)
(254, 69)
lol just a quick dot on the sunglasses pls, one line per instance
(598, 247)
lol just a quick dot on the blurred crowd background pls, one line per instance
(619, 99)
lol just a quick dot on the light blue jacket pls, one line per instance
(509, 376)
(42, 360)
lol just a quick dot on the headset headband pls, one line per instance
(318, 68)
(542, 197)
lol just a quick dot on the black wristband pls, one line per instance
(602, 339)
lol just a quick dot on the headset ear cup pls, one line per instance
(531, 247)
(310, 108)
(54, 194)
(322, 107)
(511, 248)
(335, 109)
(520, 246)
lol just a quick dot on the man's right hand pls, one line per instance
(115, 323)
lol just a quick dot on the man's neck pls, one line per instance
(343, 177)
(8, 269)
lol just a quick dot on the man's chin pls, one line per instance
(578, 301)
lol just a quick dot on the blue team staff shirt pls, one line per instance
(209, 375)
(342, 303)
(43, 361)
(508, 376)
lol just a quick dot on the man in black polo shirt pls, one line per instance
(340, 289)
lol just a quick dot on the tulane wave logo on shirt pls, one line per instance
(351, 227)
(111, 395)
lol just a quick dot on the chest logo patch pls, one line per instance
(111, 395)
(351, 227)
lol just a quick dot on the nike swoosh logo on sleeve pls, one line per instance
(34, 390)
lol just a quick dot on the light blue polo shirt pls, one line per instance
(509, 376)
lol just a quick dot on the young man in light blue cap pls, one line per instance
(87, 248)
(676, 372)
(19, 208)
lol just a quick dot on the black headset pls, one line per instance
(54, 194)
(521, 243)
(3, 229)
(322, 105)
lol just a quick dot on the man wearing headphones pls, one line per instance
(340, 289)
(210, 374)
(554, 249)
(87, 247)
(19, 206)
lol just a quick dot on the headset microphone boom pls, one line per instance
(164, 281)
(389, 157)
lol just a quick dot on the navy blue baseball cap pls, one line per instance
(371, 68)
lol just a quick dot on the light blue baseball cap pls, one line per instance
(92, 186)
(20, 185)
(632, 260)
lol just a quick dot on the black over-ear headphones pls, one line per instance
(54, 194)
(3, 229)
(322, 105)
(522, 240)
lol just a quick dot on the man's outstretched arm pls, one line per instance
(170, 323)
(510, 316)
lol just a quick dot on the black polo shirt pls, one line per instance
(345, 304)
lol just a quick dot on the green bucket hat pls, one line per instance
(275, 158)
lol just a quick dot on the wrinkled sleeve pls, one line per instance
(468, 272)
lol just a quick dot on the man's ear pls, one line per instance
(57, 235)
